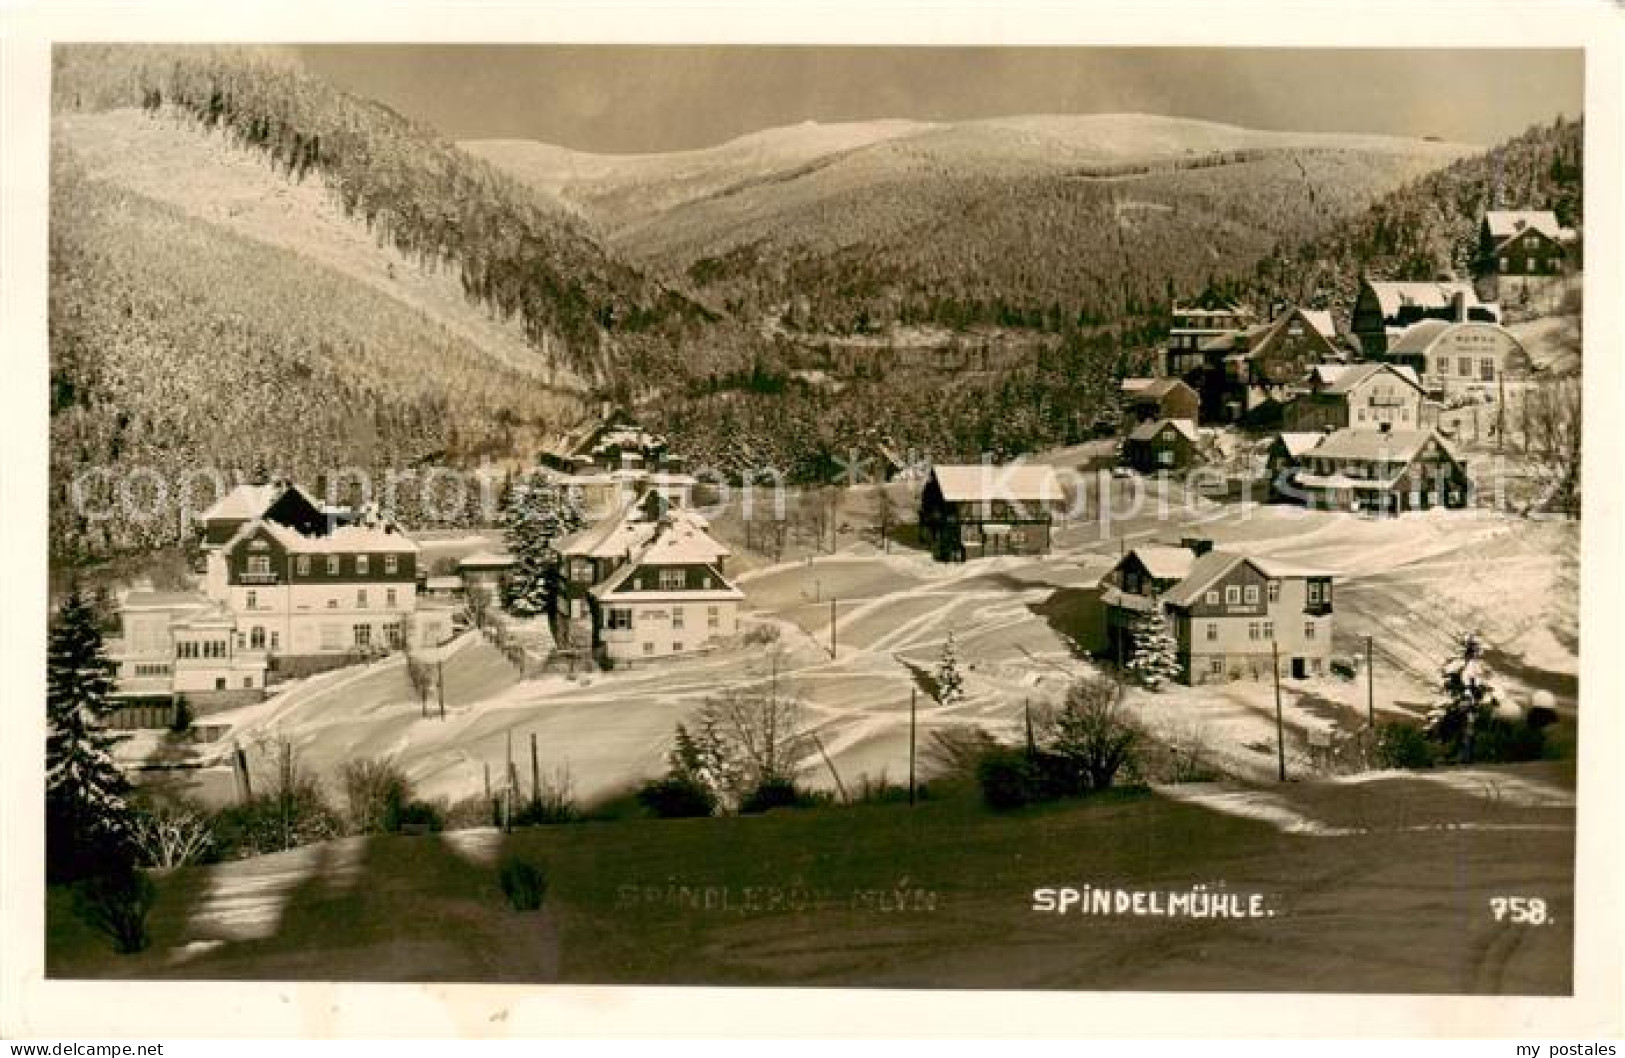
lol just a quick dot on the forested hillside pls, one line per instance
(1036, 223)
(176, 346)
(1429, 227)
(513, 253)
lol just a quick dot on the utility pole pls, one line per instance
(832, 628)
(1370, 690)
(913, 712)
(440, 685)
(1280, 726)
(535, 772)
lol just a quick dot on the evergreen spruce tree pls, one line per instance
(85, 809)
(1467, 699)
(1156, 652)
(950, 682)
(538, 514)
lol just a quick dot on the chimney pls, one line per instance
(1458, 306)
(1198, 544)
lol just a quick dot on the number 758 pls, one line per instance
(1520, 910)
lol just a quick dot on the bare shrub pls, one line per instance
(167, 835)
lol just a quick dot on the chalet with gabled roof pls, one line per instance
(1247, 375)
(1385, 471)
(977, 510)
(1451, 357)
(1383, 310)
(1149, 399)
(1523, 242)
(647, 583)
(1229, 612)
(1358, 396)
(1163, 444)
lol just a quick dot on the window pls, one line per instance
(361, 565)
(1252, 629)
(362, 635)
(219, 683)
(259, 565)
(1165, 456)
(677, 617)
(1216, 666)
(677, 648)
(1212, 631)
(648, 648)
(248, 682)
(332, 604)
(1362, 415)
(1251, 594)
(301, 565)
(361, 598)
(1464, 365)
(1309, 630)
(1232, 595)
(713, 617)
(276, 640)
(256, 638)
(1531, 242)
(1213, 598)
(620, 618)
(1269, 629)
(581, 570)
(332, 565)
(1486, 369)
(672, 579)
(393, 635)
(251, 600)
(1506, 265)
(186, 649)
(391, 564)
(389, 598)
(1275, 591)
(1314, 591)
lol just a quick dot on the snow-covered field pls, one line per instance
(1410, 583)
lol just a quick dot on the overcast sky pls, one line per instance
(641, 98)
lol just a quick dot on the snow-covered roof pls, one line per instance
(243, 501)
(1419, 338)
(1216, 564)
(1388, 446)
(1296, 443)
(486, 560)
(985, 482)
(1321, 320)
(1165, 562)
(164, 600)
(1507, 222)
(1151, 387)
(1147, 430)
(1346, 378)
(1392, 296)
(443, 583)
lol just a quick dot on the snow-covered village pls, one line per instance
(807, 558)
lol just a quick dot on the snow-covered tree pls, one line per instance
(87, 816)
(1468, 699)
(538, 514)
(950, 681)
(1156, 651)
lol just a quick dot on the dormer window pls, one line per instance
(391, 564)
(361, 565)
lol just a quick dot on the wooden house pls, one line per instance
(1451, 358)
(1232, 615)
(1386, 471)
(1248, 375)
(1148, 399)
(1523, 242)
(1383, 310)
(1358, 396)
(1162, 444)
(971, 511)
